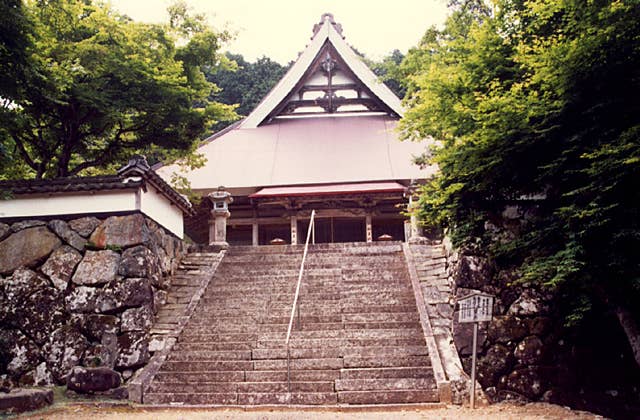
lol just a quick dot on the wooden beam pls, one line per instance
(334, 87)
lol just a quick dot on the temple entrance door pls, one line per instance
(322, 230)
(349, 230)
(334, 229)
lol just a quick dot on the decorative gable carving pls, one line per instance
(327, 79)
(329, 87)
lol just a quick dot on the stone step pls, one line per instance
(206, 387)
(299, 364)
(385, 361)
(162, 329)
(334, 352)
(342, 247)
(199, 376)
(310, 288)
(190, 398)
(388, 397)
(414, 331)
(299, 398)
(382, 325)
(313, 260)
(250, 325)
(207, 319)
(210, 365)
(273, 312)
(200, 387)
(177, 283)
(209, 355)
(387, 372)
(196, 263)
(165, 321)
(376, 301)
(341, 342)
(215, 345)
(296, 353)
(179, 299)
(384, 384)
(342, 308)
(382, 317)
(237, 313)
(233, 256)
(186, 336)
(282, 386)
(194, 272)
(317, 375)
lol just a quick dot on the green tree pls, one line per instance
(245, 84)
(535, 103)
(92, 86)
(390, 72)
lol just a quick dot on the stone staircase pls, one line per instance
(187, 284)
(360, 339)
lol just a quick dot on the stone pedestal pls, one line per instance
(219, 215)
(416, 230)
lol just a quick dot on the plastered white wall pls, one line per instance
(151, 203)
(158, 208)
(85, 203)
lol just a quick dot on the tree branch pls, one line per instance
(23, 152)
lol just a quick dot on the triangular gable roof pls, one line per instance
(327, 38)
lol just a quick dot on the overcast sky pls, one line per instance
(280, 29)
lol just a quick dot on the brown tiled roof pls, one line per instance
(71, 184)
(135, 174)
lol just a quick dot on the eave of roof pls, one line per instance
(330, 189)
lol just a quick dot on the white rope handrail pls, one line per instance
(295, 298)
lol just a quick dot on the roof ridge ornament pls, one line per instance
(137, 165)
(327, 17)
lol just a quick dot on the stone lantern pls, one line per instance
(219, 215)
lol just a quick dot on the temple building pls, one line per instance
(325, 139)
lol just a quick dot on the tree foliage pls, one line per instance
(89, 86)
(535, 104)
(245, 83)
(390, 72)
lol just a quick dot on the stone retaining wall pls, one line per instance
(80, 292)
(513, 349)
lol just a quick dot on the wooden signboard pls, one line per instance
(476, 307)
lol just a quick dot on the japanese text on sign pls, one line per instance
(476, 308)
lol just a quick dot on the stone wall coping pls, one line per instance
(443, 383)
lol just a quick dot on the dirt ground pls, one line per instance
(501, 411)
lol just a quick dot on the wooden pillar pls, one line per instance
(254, 233)
(369, 228)
(294, 230)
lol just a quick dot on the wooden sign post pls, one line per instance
(476, 307)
